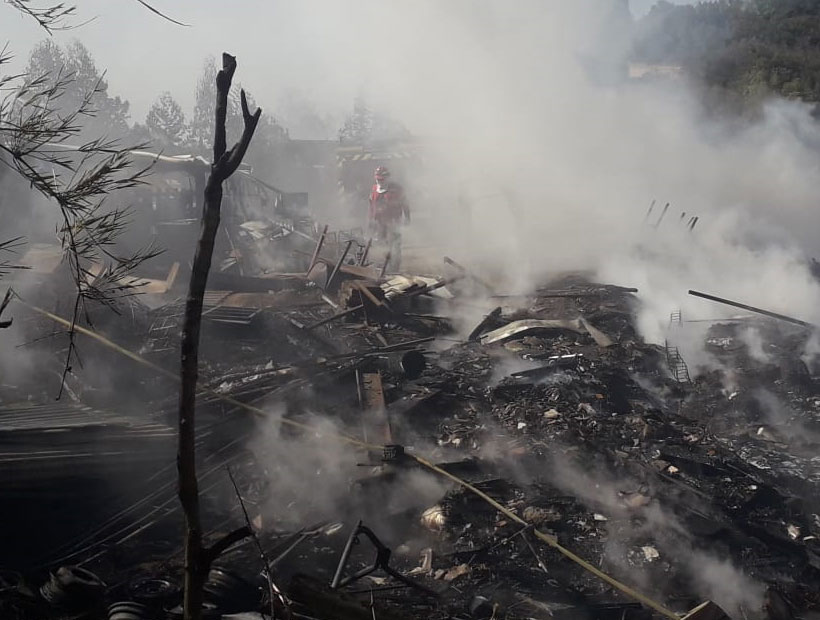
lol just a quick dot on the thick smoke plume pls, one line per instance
(543, 157)
(540, 154)
(314, 476)
(713, 577)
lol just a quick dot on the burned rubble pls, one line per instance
(394, 464)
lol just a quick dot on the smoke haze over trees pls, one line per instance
(364, 125)
(749, 48)
(166, 122)
(111, 114)
(742, 50)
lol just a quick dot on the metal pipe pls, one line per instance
(337, 577)
(736, 304)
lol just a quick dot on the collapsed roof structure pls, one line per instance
(543, 461)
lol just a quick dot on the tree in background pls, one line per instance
(201, 128)
(268, 132)
(76, 69)
(363, 126)
(358, 126)
(300, 115)
(678, 35)
(749, 49)
(139, 134)
(46, 58)
(166, 122)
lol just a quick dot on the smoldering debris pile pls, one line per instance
(393, 468)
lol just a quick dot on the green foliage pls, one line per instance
(750, 47)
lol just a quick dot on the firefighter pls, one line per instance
(388, 207)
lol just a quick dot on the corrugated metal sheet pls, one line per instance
(36, 440)
(77, 480)
(67, 415)
(67, 468)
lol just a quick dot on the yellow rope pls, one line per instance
(174, 377)
(551, 541)
(546, 538)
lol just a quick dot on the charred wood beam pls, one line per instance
(365, 253)
(334, 317)
(384, 266)
(318, 249)
(338, 266)
(422, 290)
(376, 422)
(488, 320)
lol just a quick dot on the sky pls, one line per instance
(281, 46)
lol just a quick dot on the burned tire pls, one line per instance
(155, 592)
(230, 592)
(71, 588)
(10, 580)
(129, 610)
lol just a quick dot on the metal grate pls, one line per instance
(232, 315)
(164, 333)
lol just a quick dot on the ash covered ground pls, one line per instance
(684, 484)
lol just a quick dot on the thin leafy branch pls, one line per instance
(10, 246)
(51, 17)
(162, 15)
(54, 16)
(35, 132)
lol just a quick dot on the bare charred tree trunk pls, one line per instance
(198, 558)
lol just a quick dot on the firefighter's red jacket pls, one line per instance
(387, 208)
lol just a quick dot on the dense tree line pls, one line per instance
(751, 48)
(166, 127)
